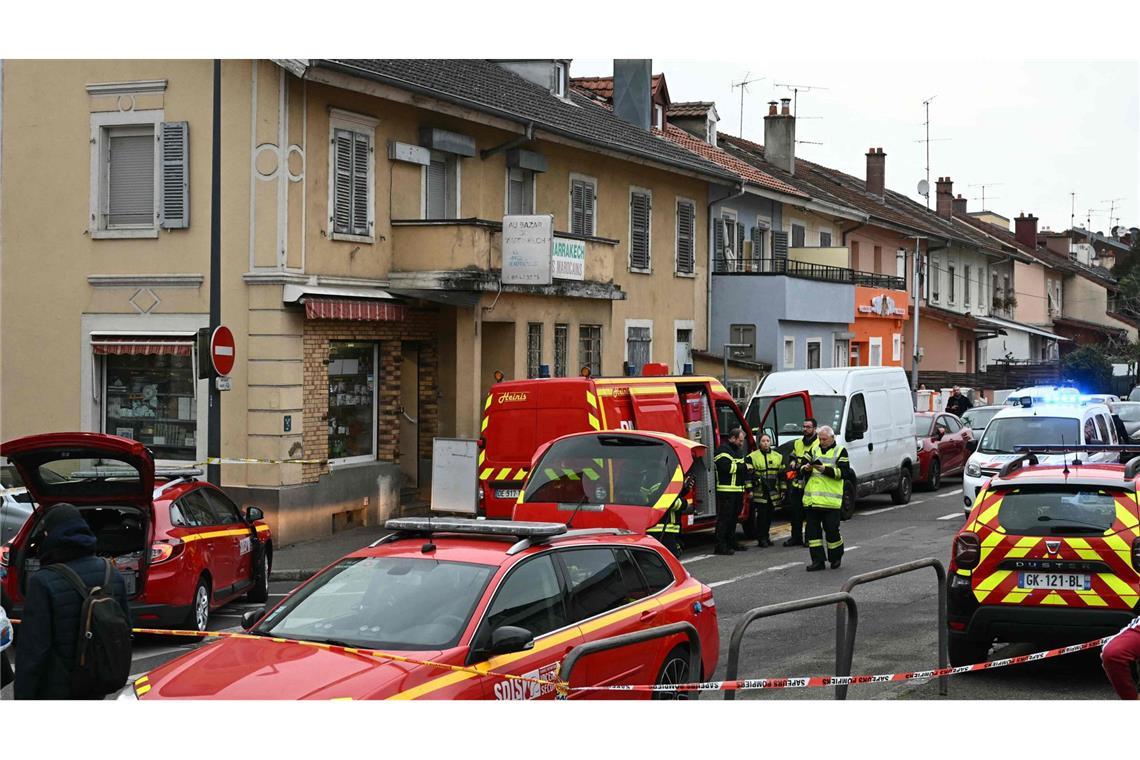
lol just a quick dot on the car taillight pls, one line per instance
(481, 443)
(161, 551)
(1135, 553)
(967, 550)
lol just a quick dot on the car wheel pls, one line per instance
(260, 590)
(674, 670)
(901, 494)
(965, 652)
(847, 509)
(199, 616)
(934, 482)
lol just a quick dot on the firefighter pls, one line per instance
(668, 529)
(731, 474)
(823, 500)
(767, 488)
(803, 452)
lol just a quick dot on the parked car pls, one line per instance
(1129, 413)
(1134, 395)
(942, 442)
(182, 545)
(1061, 394)
(978, 417)
(489, 596)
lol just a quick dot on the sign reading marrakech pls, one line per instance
(569, 261)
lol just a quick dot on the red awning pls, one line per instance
(354, 309)
(156, 345)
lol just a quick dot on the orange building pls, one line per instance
(877, 333)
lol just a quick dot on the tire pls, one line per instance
(260, 590)
(965, 652)
(674, 670)
(198, 619)
(901, 494)
(934, 481)
(847, 509)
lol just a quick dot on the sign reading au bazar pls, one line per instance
(533, 255)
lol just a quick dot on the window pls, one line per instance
(995, 289)
(875, 352)
(896, 347)
(743, 334)
(590, 348)
(856, 416)
(1092, 437)
(583, 196)
(799, 233)
(129, 177)
(630, 577)
(966, 282)
(1102, 429)
(352, 401)
(727, 233)
(441, 186)
(638, 341)
(789, 353)
(900, 264)
(952, 425)
(842, 353)
(520, 191)
(740, 390)
(813, 353)
(981, 288)
(533, 348)
(192, 511)
(640, 218)
(684, 350)
(225, 511)
(150, 395)
(825, 239)
(657, 574)
(686, 222)
(530, 598)
(1006, 290)
(878, 259)
(560, 77)
(758, 235)
(594, 581)
(935, 278)
(561, 349)
(950, 283)
(658, 116)
(351, 186)
(710, 130)
(961, 352)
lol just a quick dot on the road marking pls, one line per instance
(884, 509)
(754, 574)
(698, 558)
(952, 515)
(951, 493)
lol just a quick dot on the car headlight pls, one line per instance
(973, 470)
(127, 692)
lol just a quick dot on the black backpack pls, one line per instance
(103, 649)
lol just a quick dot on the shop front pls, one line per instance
(880, 320)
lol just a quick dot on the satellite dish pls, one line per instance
(924, 188)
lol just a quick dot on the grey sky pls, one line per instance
(1041, 129)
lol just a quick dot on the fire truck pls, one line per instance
(519, 416)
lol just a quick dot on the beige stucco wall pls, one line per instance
(1029, 286)
(1086, 300)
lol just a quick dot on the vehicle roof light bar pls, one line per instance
(518, 529)
(1016, 464)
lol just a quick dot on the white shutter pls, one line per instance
(342, 181)
(130, 180)
(175, 206)
(361, 154)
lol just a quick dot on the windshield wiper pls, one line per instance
(1071, 524)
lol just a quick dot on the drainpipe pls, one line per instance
(735, 193)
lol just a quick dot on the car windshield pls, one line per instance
(1003, 435)
(603, 469)
(383, 603)
(1049, 510)
(977, 419)
(827, 410)
(1127, 412)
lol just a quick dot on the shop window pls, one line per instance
(590, 348)
(352, 401)
(533, 348)
(149, 395)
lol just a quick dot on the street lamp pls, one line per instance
(727, 346)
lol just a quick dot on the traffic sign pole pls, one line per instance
(214, 417)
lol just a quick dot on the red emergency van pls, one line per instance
(520, 416)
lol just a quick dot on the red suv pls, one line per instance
(488, 596)
(182, 546)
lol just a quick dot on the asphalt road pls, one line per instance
(897, 629)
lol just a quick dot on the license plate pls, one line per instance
(506, 493)
(1058, 581)
(128, 581)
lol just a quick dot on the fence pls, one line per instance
(805, 270)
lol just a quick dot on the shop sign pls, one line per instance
(528, 249)
(569, 262)
(882, 306)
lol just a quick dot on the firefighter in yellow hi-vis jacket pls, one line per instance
(823, 500)
(768, 485)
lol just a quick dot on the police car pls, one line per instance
(1038, 421)
(1050, 553)
(460, 603)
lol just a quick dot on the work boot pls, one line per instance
(814, 566)
(740, 548)
(835, 564)
(722, 550)
(793, 542)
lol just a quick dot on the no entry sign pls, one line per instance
(222, 351)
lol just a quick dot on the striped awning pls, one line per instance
(127, 345)
(354, 309)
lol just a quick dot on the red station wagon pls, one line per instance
(493, 596)
(182, 546)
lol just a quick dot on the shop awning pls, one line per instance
(136, 345)
(351, 309)
(1007, 324)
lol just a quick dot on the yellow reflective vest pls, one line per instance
(768, 470)
(824, 489)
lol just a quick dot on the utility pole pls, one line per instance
(214, 416)
(743, 85)
(914, 315)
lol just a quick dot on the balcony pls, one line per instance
(806, 270)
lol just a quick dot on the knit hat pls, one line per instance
(61, 515)
(68, 534)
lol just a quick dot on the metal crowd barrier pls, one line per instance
(637, 637)
(844, 644)
(843, 655)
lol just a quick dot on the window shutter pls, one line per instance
(131, 181)
(779, 244)
(361, 152)
(436, 189)
(577, 208)
(589, 196)
(175, 205)
(685, 238)
(718, 235)
(639, 231)
(739, 240)
(342, 181)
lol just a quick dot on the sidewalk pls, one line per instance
(300, 561)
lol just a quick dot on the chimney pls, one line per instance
(876, 171)
(960, 205)
(780, 137)
(1025, 230)
(633, 84)
(944, 197)
(772, 108)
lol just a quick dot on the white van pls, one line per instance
(1037, 424)
(870, 409)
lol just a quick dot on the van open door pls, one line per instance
(781, 417)
(659, 411)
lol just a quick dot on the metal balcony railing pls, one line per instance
(805, 270)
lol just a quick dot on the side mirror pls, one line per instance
(972, 445)
(254, 513)
(250, 617)
(508, 638)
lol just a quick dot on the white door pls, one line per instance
(876, 353)
(857, 435)
(683, 351)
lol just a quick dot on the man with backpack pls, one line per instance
(74, 636)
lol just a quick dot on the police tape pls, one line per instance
(252, 460)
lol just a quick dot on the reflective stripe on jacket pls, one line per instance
(824, 489)
(767, 468)
(670, 521)
(728, 479)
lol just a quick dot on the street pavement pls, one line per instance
(897, 628)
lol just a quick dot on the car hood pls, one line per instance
(242, 668)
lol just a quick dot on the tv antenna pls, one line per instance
(1072, 213)
(928, 140)
(1112, 209)
(795, 88)
(984, 185)
(743, 85)
(1088, 220)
